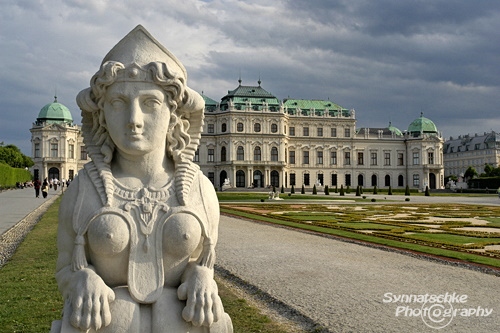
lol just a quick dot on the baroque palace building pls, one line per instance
(471, 151)
(252, 139)
(57, 144)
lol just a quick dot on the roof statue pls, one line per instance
(139, 224)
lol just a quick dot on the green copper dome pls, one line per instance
(394, 130)
(55, 113)
(422, 125)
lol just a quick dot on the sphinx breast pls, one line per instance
(181, 235)
(108, 235)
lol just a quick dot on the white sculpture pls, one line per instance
(138, 226)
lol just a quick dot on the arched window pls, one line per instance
(274, 154)
(401, 180)
(239, 127)
(240, 178)
(360, 180)
(274, 128)
(223, 128)
(240, 153)
(223, 154)
(256, 154)
(374, 180)
(256, 127)
(387, 180)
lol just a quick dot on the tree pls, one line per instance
(488, 170)
(13, 157)
(470, 173)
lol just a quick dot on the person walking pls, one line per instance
(45, 188)
(37, 184)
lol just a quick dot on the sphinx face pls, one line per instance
(137, 117)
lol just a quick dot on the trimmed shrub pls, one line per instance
(427, 193)
(9, 176)
(336, 190)
(292, 190)
(327, 191)
(407, 190)
(342, 190)
(390, 191)
(348, 189)
(358, 191)
(303, 190)
(262, 200)
(375, 189)
(407, 199)
(314, 190)
(282, 189)
(373, 199)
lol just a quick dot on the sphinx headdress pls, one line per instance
(140, 57)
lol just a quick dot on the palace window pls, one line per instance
(257, 154)
(196, 155)
(334, 132)
(373, 158)
(360, 158)
(239, 127)
(305, 131)
(240, 153)
(305, 159)
(256, 127)
(274, 154)
(292, 156)
(292, 179)
(211, 153)
(210, 128)
(387, 158)
(333, 157)
(334, 179)
(320, 131)
(416, 158)
(347, 158)
(347, 132)
(347, 179)
(83, 153)
(274, 128)
(431, 158)
(416, 180)
(306, 179)
(37, 150)
(223, 128)
(319, 157)
(71, 151)
(401, 160)
(53, 150)
(292, 131)
(211, 177)
(223, 154)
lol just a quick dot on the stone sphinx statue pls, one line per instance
(138, 226)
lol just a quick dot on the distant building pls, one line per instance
(471, 151)
(252, 139)
(57, 144)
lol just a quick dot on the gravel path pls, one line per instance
(342, 286)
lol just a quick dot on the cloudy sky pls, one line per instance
(389, 60)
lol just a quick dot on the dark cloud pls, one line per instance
(389, 60)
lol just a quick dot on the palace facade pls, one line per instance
(471, 151)
(252, 139)
(57, 144)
